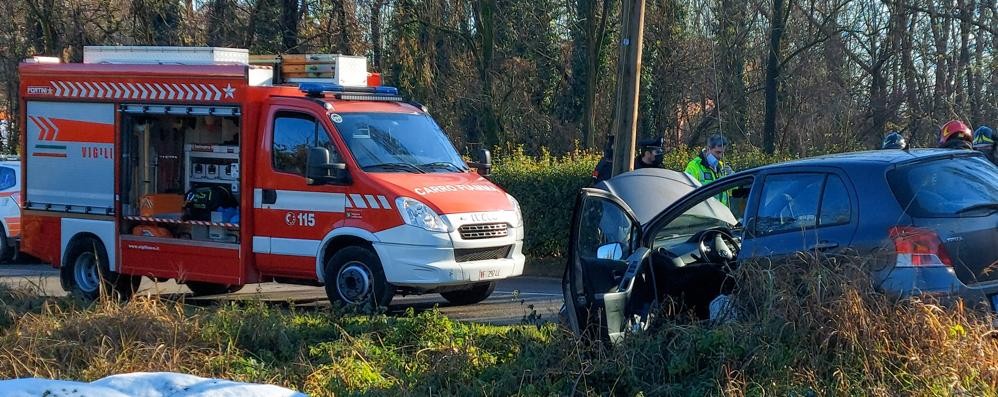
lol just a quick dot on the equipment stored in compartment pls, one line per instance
(202, 201)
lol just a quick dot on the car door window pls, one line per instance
(605, 231)
(835, 206)
(7, 178)
(789, 202)
(294, 135)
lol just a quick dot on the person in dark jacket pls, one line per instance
(604, 168)
(651, 155)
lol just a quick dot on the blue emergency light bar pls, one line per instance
(316, 89)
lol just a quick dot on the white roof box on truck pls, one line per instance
(165, 55)
(345, 70)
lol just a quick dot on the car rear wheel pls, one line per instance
(202, 288)
(355, 278)
(470, 296)
(88, 275)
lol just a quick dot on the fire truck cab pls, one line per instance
(190, 164)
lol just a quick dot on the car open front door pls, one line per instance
(599, 278)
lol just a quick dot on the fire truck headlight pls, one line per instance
(516, 208)
(417, 214)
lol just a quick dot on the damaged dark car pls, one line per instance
(653, 236)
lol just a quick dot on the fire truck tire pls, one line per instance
(202, 289)
(6, 249)
(354, 277)
(88, 274)
(470, 296)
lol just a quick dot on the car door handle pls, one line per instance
(824, 245)
(269, 196)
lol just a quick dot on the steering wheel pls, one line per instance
(718, 246)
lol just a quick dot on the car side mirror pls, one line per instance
(612, 251)
(320, 170)
(482, 162)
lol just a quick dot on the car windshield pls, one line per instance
(397, 142)
(951, 187)
(705, 215)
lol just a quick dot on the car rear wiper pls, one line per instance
(446, 164)
(983, 206)
(396, 166)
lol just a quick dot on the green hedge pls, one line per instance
(546, 186)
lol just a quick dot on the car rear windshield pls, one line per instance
(961, 186)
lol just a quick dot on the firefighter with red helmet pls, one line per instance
(956, 135)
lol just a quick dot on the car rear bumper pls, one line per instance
(940, 282)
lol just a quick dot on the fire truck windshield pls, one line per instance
(397, 142)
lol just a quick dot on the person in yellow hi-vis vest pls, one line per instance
(707, 167)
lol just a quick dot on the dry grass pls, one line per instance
(819, 326)
(62, 339)
(808, 328)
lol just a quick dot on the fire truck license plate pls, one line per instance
(486, 274)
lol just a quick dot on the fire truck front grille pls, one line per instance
(481, 254)
(483, 230)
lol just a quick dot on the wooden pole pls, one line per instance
(628, 84)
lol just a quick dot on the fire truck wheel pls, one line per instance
(475, 294)
(354, 277)
(6, 250)
(87, 272)
(202, 289)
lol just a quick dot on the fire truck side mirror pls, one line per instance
(320, 171)
(483, 162)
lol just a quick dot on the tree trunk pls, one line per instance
(963, 72)
(289, 25)
(878, 104)
(773, 77)
(376, 45)
(596, 26)
(485, 22)
(940, 27)
(732, 102)
(915, 111)
(43, 15)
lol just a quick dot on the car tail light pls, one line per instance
(918, 247)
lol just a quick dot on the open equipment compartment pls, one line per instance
(180, 172)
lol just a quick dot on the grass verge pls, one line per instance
(814, 329)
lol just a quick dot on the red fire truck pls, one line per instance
(191, 164)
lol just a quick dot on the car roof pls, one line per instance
(648, 191)
(871, 157)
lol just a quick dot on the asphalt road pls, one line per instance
(515, 300)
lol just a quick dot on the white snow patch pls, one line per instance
(142, 384)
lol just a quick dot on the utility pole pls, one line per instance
(628, 84)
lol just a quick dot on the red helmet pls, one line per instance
(955, 129)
